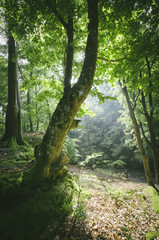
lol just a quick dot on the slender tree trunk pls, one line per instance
(50, 159)
(36, 109)
(153, 141)
(30, 118)
(19, 137)
(69, 60)
(138, 137)
(49, 113)
(88, 135)
(149, 117)
(13, 115)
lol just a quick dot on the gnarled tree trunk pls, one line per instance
(50, 160)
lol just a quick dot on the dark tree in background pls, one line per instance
(13, 134)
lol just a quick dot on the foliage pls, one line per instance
(90, 160)
(107, 134)
(72, 151)
(81, 195)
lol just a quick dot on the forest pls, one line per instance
(79, 119)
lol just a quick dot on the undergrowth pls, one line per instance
(26, 213)
(27, 217)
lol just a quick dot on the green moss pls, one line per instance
(16, 160)
(9, 181)
(152, 235)
(33, 139)
(26, 217)
(154, 197)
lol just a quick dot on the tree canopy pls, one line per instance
(52, 37)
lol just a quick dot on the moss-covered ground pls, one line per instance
(26, 213)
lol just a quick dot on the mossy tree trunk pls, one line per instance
(49, 158)
(138, 137)
(13, 134)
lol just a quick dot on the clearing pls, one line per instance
(116, 208)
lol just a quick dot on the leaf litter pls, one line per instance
(118, 209)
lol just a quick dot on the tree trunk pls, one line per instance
(36, 109)
(149, 117)
(30, 118)
(50, 160)
(88, 135)
(13, 115)
(49, 113)
(138, 137)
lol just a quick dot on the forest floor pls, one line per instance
(117, 208)
(107, 204)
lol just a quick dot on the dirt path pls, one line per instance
(117, 209)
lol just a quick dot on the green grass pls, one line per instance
(80, 193)
(152, 193)
(154, 197)
(152, 235)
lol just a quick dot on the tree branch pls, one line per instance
(144, 106)
(51, 6)
(86, 78)
(143, 133)
(69, 56)
(60, 18)
(136, 98)
(150, 87)
(22, 75)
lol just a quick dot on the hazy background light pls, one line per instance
(3, 40)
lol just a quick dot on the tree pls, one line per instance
(132, 37)
(13, 132)
(149, 116)
(30, 118)
(88, 135)
(3, 83)
(137, 133)
(50, 162)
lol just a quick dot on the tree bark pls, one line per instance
(13, 114)
(69, 55)
(149, 118)
(88, 135)
(153, 141)
(36, 109)
(138, 137)
(31, 128)
(50, 160)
